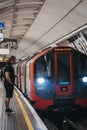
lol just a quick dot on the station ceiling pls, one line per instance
(36, 24)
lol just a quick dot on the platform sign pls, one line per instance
(1, 25)
(1, 37)
(4, 51)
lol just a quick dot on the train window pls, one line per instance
(63, 68)
(82, 64)
(43, 66)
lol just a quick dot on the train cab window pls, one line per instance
(43, 66)
(63, 68)
(82, 65)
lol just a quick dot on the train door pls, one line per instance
(24, 68)
(16, 74)
(63, 74)
(27, 79)
(19, 75)
(22, 78)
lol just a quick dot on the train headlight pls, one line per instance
(40, 80)
(84, 79)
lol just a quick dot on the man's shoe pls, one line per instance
(10, 111)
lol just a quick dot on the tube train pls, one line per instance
(54, 78)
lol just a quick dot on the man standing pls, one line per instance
(9, 82)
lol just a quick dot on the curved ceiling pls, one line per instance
(38, 23)
(18, 16)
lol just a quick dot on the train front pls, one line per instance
(53, 79)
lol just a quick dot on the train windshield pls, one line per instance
(44, 67)
(63, 68)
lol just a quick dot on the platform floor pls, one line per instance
(25, 117)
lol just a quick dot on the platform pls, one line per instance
(25, 117)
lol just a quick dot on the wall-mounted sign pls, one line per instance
(4, 51)
(1, 25)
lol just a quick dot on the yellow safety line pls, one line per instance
(27, 120)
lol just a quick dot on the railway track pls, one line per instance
(65, 121)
